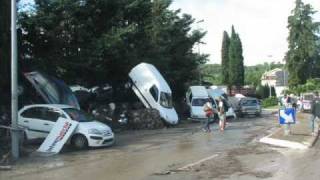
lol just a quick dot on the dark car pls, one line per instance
(249, 106)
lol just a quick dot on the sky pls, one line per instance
(261, 24)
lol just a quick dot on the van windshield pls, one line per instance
(166, 100)
(200, 101)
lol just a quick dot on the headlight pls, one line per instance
(95, 131)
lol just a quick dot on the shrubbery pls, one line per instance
(271, 101)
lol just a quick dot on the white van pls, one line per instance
(196, 97)
(153, 91)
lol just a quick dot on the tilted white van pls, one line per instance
(153, 91)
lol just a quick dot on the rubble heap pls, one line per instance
(144, 119)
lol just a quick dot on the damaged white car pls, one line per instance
(38, 120)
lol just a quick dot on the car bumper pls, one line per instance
(250, 112)
(100, 141)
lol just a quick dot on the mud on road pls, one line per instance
(158, 155)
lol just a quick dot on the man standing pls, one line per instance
(315, 111)
(222, 114)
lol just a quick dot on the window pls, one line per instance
(249, 102)
(51, 114)
(42, 113)
(166, 100)
(78, 115)
(200, 101)
(154, 92)
(32, 113)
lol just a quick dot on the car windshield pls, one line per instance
(166, 100)
(251, 102)
(200, 101)
(78, 115)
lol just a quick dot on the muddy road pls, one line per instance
(181, 153)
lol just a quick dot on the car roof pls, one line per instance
(60, 106)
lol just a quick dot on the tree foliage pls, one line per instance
(302, 57)
(236, 66)
(5, 46)
(225, 58)
(106, 38)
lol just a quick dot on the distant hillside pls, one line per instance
(212, 73)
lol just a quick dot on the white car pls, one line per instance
(38, 120)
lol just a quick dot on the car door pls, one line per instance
(32, 120)
(38, 121)
(49, 118)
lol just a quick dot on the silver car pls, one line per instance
(249, 106)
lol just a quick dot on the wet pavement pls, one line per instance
(184, 152)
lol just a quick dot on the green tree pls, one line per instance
(5, 47)
(236, 66)
(302, 58)
(107, 38)
(225, 58)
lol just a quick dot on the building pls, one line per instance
(277, 78)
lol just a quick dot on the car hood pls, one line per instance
(169, 115)
(94, 125)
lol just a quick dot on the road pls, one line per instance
(181, 153)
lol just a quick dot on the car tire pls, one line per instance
(79, 141)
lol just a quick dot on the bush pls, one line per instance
(271, 101)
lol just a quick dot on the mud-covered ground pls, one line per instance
(181, 153)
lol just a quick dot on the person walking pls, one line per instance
(315, 112)
(222, 114)
(208, 109)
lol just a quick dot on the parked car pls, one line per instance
(306, 102)
(196, 97)
(249, 106)
(38, 120)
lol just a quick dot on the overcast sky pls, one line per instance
(262, 25)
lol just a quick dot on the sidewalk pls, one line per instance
(299, 138)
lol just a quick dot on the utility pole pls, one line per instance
(200, 21)
(270, 94)
(14, 83)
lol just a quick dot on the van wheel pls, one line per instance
(79, 141)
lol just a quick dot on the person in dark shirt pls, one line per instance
(315, 112)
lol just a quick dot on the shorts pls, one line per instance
(222, 117)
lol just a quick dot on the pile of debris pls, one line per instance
(144, 119)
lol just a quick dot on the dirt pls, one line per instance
(230, 163)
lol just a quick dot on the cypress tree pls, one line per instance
(236, 67)
(225, 58)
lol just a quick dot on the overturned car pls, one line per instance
(153, 91)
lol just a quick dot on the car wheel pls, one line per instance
(79, 141)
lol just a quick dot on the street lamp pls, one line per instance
(270, 94)
(14, 83)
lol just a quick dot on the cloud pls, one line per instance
(262, 25)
